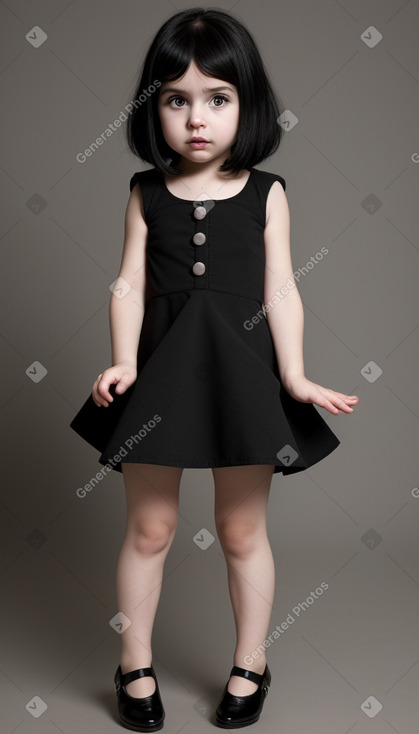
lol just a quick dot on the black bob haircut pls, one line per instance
(222, 48)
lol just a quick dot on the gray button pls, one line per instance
(200, 212)
(199, 268)
(199, 238)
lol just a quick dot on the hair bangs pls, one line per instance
(222, 48)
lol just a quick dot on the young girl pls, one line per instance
(207, 333)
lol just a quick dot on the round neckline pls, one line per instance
(192, 201)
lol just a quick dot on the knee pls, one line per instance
(152, 536)
(238, 539)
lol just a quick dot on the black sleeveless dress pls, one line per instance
(208, 391)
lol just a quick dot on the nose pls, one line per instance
(196, 116)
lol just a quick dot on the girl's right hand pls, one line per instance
(122, 374)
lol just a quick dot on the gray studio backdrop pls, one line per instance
(347, 660)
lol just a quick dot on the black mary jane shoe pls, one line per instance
(138, 714)
(235, 711)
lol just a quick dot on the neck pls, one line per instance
(203, 171)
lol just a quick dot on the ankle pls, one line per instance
(257, 666)
(129, 663)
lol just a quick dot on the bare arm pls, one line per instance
(285, 314)
(127, 305)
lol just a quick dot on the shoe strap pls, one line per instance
(134, 674)
(250, 674)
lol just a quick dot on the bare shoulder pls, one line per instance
(135, 242)
(135, 208)
(277, 237)
(277, 209)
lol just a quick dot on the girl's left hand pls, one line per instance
(306, 391)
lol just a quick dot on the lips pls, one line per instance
(198, 140)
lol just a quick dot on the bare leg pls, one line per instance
(152, 495)
(241, 497)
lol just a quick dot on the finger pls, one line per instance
(98, 400)
(123, 383)
(342, 400)
(320, 399)
(342, 395)
(103, 388)
(100, 404)
(340, 404)
(96, 396)
(345, 399)
(332, 408)
(334, 404)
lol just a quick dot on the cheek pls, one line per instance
(168, 122)
(170, 131)
(165, 128)
(163, 115)
(232, 122)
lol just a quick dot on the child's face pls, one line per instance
(191, 110)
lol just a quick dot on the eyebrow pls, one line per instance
(207, 89)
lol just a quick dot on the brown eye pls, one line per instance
(220, 97)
